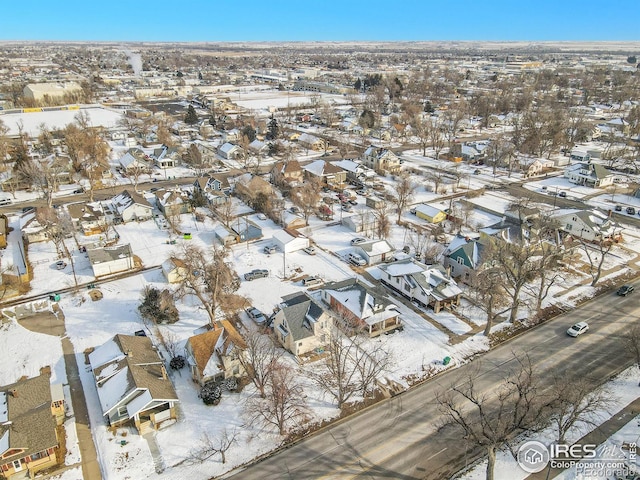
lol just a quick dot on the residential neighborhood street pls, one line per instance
(399, 438)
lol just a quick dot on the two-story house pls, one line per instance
(30, 411)
(427, 285)
(360, 307)
(381, 159)
(589, 174)
(329, 174)
(215, 355)
(302, 324)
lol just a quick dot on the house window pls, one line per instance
(568, 227)
(406, 287)
(460, 260)
(397, 279)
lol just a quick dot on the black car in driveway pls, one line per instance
(625, 290)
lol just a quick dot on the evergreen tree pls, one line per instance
(249, 132)
(191, 118)
(358, 84)
(273, 129)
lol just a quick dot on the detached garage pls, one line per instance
(289, 241)
(105, 261)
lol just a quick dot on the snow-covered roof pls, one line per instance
(428, 210)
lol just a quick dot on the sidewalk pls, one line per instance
(599, 435)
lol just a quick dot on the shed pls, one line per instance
(289, 241)
(430, 214)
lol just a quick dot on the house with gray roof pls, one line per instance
(110, 260)
(30, 411)
(588, 225)
(361, 307)
(462, 257)
(428, 285)
(302, 324)
(132, 384)
(589, 174)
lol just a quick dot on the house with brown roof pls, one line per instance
(287, 173)
(249, 186)
(87, 218)
(31, 410)
(132, 383)
(330, 174)
(214, 356)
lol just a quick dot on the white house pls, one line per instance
(588, 225)
(230, 151)
(289, 241)
(589, 174)
(132, 206)
(109, 260)
(381, 159)
(375, 251)
(427, 285)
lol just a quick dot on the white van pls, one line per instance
(5, 201)
(357, 259)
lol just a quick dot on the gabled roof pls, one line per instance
(300, 313)
(27, 405)
(220, 341)
(125, 367)
(127, 198)
(357, 298)
(84, 212)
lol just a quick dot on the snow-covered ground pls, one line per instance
(623, 390)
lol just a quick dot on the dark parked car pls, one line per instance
(618, 208)
(631, 210)
(258, 273)
(625, 290)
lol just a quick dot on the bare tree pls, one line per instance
(405, 189)
(225, 211)
(578, 401)
(207, 276)
(489, 295)
(350, 367)
(382, 220)
(59, 227)
(306, 197)
(207, 447)
(284, 404)
(632, 344)
(259, 358)
(491, 420)
(437, 177)
(597, 251)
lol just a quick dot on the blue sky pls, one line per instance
(321, 20)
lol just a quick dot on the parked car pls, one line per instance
(625, 290)
(357, 260)
(362, 192)
(60, 265)
(258, 273)
(154, 189)
(310, 250)
(353, 201)
(578, 329)
(562, 194)
(358, 240)
(347, 208)
(256, 315)
(618, 208)
(262, 216)
(412, 210)
(631, 210)
(269, 249)
(311, 281)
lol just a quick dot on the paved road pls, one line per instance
(397, 439)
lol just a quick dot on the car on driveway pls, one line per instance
(625, 290)
(60, 265)
(256, 315)
(311, 281)
(310, 250)
(618, 208)
(358, 240)
(258, 273)
(269, 249)
(631, 210)
(577, 329)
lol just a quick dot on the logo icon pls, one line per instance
(533, 456)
